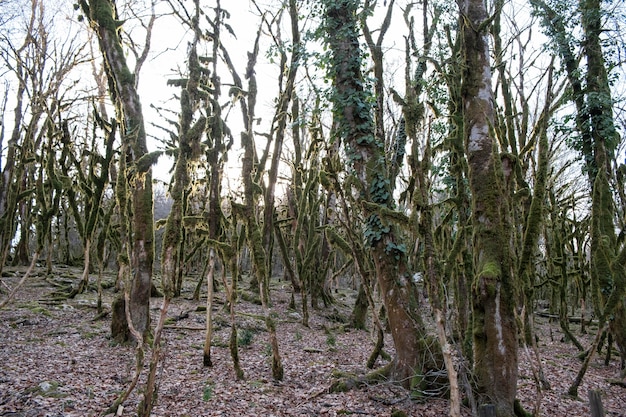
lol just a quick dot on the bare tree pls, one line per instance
(102, 15)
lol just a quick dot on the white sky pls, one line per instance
(169, 46)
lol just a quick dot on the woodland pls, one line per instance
(336, 207)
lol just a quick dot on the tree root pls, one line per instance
(519, 410)
(102, 315)
(346, 381)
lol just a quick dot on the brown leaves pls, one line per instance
(56, 361)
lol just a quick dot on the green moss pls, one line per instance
(416, 386)
(37, 309)
(89, 335)
(147, 161)
(102, 13)
(48, 389)
(490, 270)
(342, 386)
(245, 337)
(207, 392)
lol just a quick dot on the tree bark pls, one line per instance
(607, 269)
(254, 232)
(599, 140)
(494, 326)
(355, 127)
(123, 90)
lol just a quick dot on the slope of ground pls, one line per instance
(56, 359)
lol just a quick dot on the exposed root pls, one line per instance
(346, 381)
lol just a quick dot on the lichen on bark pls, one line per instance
(494, 327)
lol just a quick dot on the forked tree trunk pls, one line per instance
(494, 327)
(366, 154)
(123, 90)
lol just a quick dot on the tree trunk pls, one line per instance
(13, 167)
(494, 326)
(607, 264)
(254, 233)
(123, 90)
(208, 334)
(358, 317)
(355, 127)
(599, 140)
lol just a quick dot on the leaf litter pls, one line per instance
(58, 361)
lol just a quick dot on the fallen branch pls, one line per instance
(575, 320)
(19, 284)
(617, 383)
(175, 327)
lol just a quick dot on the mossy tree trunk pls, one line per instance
(26, 63)
(303, 244)
(216, 131)
(279, 124)
(518, 139)
(597, 144)
(418, 195)
(11, 197)
(102, 16)
(460, 260)
(230, 254)
(189, 134)
(355, 127)
(493, 287)
(11, 170)
(608, 275)
(39, 67)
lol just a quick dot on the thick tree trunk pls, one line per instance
(494, 326)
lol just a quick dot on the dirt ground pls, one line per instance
(56, 359)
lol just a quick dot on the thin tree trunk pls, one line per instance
(149, 392)
(84, 279)
(208, 335)
(231, 293)
(254, 234)
(123, 90)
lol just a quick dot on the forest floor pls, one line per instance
(57, 359)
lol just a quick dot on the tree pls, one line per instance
(31, 184)
(493, 286)
(597, 142)
(103, 18)
(365, 153)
